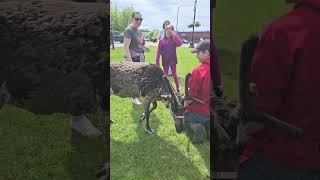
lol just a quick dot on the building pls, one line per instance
(198, 35)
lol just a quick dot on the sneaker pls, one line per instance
(136, 101)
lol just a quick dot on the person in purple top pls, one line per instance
(167, 49)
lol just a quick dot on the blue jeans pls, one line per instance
(196, 118)
(259, 168)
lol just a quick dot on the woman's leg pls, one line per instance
(175, 76)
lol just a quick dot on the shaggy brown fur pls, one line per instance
(132, 79)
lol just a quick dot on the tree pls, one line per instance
(152, 34)
(196, 24)
(120, 19)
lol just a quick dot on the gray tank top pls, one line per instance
(136, 39)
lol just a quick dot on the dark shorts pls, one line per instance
(196, 118)
(136, 59)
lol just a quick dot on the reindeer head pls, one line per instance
(174, 102)
(177, 112)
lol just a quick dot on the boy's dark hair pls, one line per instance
(163, 25)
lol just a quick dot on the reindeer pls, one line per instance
(135, 79)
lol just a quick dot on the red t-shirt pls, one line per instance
(285, 69)
(199, 87)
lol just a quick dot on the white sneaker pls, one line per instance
(136, 101)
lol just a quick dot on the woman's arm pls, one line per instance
(177, 39)
(126, 44)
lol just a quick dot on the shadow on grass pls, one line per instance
(153, 121)
(151, 157)
(88, 155)
(35, 146)
(203, 152)
(155, 159)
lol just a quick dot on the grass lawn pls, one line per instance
(44, 147)
(168, 155)
(234, 22)
(41, 147)
(163, 155)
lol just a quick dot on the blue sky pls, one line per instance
(155, 12)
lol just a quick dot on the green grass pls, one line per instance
(41, 147)
(168, 155)
(163, 155)
(44, 147)
(234, 22)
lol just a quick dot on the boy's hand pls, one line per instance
(187, 102)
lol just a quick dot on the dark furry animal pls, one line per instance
(53, 57)
(130, 79)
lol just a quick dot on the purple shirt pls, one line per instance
(167, 49)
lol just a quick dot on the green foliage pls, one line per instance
(120, 19)
(196, 24)
(234, 22)
(152, 34)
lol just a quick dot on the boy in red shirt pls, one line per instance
(197, 114)
(285, 77)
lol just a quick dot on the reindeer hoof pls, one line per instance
(142, 117)
(150, 131)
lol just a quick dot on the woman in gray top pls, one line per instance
(133, 43)
(133, 40)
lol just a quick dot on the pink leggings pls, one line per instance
(174, 73)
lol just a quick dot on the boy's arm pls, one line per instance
(272, 67)
(194, 84)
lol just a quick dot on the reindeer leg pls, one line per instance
(146, 104)
(142, 117)
(154, 105)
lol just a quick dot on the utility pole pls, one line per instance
(177, 18)
(179, 6)
(194, 20)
